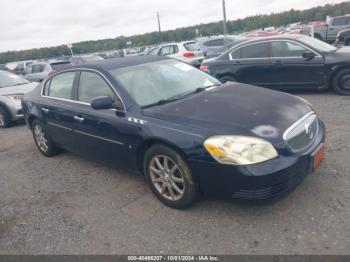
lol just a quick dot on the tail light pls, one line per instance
(204, 68)
(51, 72)
(188, 54)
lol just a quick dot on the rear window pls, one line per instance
(192, 46)
(216, 42)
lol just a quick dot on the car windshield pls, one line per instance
(318, 44)
(162, 81)
(9, 79)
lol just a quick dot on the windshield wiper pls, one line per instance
(181, 96)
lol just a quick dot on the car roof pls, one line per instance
(276, 37)
(120, 62)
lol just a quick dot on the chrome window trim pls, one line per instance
(75, 101)
(271, 57)
(298, 122)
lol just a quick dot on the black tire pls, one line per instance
(51, 148)
(227, 78)
(5, 118)
(341, 82)
(188, 186)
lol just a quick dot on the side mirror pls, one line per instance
(106, 102)
(308, 56)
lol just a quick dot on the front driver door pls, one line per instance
(291, 69)
(101, 134)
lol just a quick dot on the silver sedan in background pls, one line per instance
(12, 89)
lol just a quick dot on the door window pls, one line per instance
(341, 21)
(38, 68)
(28, 70)
(154, 51)
(61, 86)
(168, 50)
(287, 49)
(259, 50)
(92, 85)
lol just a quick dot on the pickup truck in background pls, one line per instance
(329, 31)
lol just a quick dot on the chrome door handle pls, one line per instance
(79, 119)
(45, 110)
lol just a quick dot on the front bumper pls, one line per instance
(14, 107)
(264, 181)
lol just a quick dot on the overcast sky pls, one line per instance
(36, 23)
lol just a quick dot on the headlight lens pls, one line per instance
(239, 150)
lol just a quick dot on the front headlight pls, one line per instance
(239, 150)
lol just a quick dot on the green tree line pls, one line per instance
(185, 33)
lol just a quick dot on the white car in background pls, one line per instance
(188, 52)
(12, 89)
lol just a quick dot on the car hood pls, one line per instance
(235, 109)
(21, 89)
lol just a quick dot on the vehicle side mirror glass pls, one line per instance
(106, 102)
(308, 55)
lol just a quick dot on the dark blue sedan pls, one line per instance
(187, 133)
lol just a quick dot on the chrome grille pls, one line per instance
(302, 133)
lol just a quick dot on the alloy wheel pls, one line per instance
(2, 120)
(40, 139)
(346, 83)
(167, 177)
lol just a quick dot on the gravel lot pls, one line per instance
(71, 205)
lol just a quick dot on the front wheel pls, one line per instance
(5, 119)
(341, 82)
(169, 177)
(42, 140)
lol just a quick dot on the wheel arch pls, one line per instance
(335, 70)
(226, 74)
(7, 110)
(151, 142)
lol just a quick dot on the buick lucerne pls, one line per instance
(187, 133)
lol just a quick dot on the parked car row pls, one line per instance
(188, 52)
(184, 130)
(284, 62)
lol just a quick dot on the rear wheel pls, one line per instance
(227, 78)
(42, 140)
(5, 119)
(341, 82)
(169, 177)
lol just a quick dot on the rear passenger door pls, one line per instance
(58, 109)
(251, 63)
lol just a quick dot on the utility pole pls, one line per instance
(224, 11)
(159, 28)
